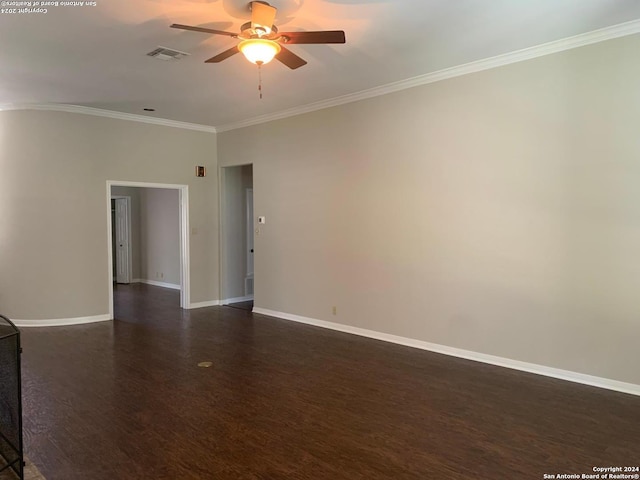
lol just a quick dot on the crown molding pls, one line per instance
(569, 43)
(596, 36)
(98, 112)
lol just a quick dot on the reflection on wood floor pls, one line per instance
(127, 400)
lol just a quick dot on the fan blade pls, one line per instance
(204, 30)
(262, 15)
(327, 36)
(223, 56)
(290, 59)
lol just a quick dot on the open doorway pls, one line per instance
(121, 244)
(148, 237)
(237, 248)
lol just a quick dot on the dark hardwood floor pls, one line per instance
(127, 400)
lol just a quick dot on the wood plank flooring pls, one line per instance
(31, 472)
(126, 400)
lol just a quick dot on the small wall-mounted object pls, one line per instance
(262, 220)
(201, 172)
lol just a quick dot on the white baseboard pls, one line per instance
(467, 354)
(208, 303)
(173, 286)
(227, 301)
(61, 322)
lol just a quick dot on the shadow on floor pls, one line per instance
(248, 306)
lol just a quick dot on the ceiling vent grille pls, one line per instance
(164, 53)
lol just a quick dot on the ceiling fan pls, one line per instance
(260, 41)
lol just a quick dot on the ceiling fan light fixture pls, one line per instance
(259, 50)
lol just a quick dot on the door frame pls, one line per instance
(183, 194)
(129, 253)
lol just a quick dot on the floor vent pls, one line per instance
(164, 53)
(248, 286)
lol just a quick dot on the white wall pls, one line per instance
(160, 235)
(155, 233)
(53, 209)
(497, 212)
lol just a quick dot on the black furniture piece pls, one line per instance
(11, 448)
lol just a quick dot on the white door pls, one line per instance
(122, 240)
(250, 232)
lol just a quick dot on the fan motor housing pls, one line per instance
(248, 32)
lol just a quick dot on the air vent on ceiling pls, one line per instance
(164, 53)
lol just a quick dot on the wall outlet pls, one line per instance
(334, 310)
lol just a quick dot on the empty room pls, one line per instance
(319, 239)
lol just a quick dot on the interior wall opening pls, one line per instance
(237, 245)
(148, 242)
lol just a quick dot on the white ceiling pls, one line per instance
(96, 56)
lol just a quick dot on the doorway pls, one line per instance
(154, 219)
(237, 242)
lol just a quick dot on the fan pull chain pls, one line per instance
(260, 79)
